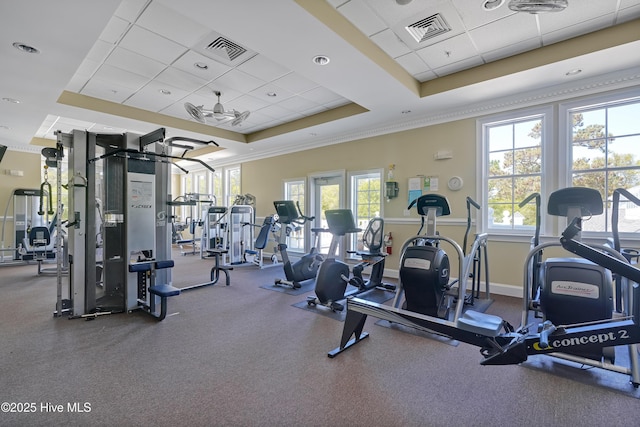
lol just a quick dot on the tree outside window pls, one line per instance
(605, 155)
(366, 203)
(514, 171)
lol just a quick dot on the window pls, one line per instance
(366, 197)
(294, 190)
(605, 155)
(588, 142)
(232, 184)
(513, 164)
(216, 186)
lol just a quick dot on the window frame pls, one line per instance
(565, 156)
(303, 245)
(353, 177)
(546, 113)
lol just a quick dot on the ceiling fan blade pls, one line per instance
(240, 117)
(195, 112)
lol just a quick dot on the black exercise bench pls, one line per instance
(163, 291)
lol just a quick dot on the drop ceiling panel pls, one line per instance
(511, 50)
(263, 68)
(208, 97)
(392, 14)
(425, 76)
(108, 74)
(109, 92)
(295, 83)
(187, 63)
(565, 32)
(323, 96)
(151, 98)
(474, 15)
(134, 63)
(450, 51)
(578, 11)
(131, 9)
(178, 78)
(171, 25)
(82, 75)
(152, 45)
(505, 32)
(388, 41)
(458, 66)
(299, 104)
(628, 13)
(275, 112)
(100, 51)
(363, 17)
(263, 91)
(239, 81)
(251, 103)
(114, 30)
(412, 63)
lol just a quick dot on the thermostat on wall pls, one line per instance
(455, 183)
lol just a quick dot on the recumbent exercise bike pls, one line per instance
(333, 275)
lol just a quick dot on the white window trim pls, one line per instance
(564, 149)
(546, 180)
(308, 238)
(350, 191)
(351, 198)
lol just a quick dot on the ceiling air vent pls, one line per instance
(428, 28)
(222, 49)
(225, 48)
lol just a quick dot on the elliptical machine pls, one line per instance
(424, 280)
(306, 268)
(569, 291)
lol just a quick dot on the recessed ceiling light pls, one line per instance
(321, 60)
(11, 100)
(25, 48)
(492, 4)
(272, 94)
(573, 72)
(165, 91)
(201, 66)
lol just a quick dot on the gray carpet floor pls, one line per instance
(243, 356)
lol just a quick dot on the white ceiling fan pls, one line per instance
(538, 6)
(218, 112)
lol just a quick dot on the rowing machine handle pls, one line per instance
(547, 329)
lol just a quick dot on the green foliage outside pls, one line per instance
(514, 174)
